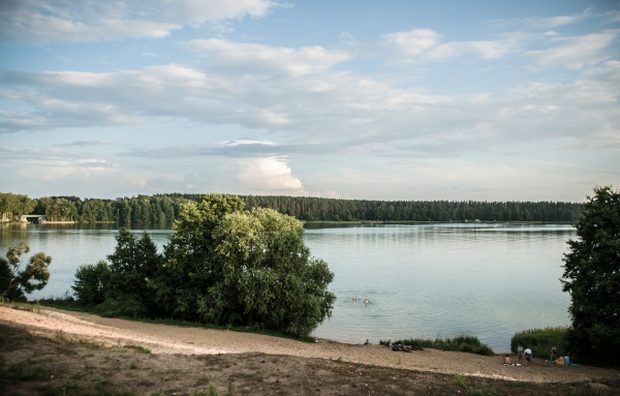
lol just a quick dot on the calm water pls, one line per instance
(421, 280)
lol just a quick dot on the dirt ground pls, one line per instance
(57, 352)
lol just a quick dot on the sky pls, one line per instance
(391, 100)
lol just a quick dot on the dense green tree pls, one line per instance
(15, 282)
(269, 278)
(124, 286)
(133, 265)
(189, 267)
(592, 277)
(92, 283)
(224, 265)
(58, 208)
(12, 206)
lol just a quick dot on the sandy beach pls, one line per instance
(166, 339)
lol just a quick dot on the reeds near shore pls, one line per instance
(541, 341)
(462, 343)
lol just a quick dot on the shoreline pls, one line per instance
(168, 339)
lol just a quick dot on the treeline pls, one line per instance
(162, 209)
(325, 209)
(12, 206)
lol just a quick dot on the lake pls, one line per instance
(420, 280)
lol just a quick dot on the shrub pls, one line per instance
(541, 340)
(461, 343)
(91, 282)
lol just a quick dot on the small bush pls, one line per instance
(462, 343)
(541, 340)
(130, 307)
(138, 348)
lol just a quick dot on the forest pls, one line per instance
(160, 210)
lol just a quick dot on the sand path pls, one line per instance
(168, 339)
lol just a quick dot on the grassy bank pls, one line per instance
(541, 341)
(463, 343)
(72, 305)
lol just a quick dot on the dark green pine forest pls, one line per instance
(161, 209)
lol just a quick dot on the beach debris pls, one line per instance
(400, 347)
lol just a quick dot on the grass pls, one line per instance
(138, 348)
(212, 391)
(462, 343)
(71, 305)
(541, 341)
(481, 388)
(22, 306)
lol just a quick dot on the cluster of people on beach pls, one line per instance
(526, 353)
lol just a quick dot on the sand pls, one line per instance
(166, 339)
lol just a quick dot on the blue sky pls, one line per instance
(484, 100)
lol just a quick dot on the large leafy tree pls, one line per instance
(124, 286)
(16, 281)
(592, 277)
(133, 266)
(189, 267)
(229, 266)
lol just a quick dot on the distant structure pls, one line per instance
(35, 219)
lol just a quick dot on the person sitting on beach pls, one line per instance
(528, 354)
(507, 359)
(553, 354)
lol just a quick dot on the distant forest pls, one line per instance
(162, 209)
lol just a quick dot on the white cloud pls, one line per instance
(91, 20)
(424, 45)
(539, 22)
(578, 51)
(269, 175)
(413, 42)
(256, 58)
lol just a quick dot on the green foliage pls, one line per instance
(226, 266)
(133, 265)
(461, 343)
(163, 209)
(541, 341)
(91, 283)
(138, 348)
(15, 282)
(474, 387)
(12, 206)
(222, 266)
(592, 277)
(124, 287)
